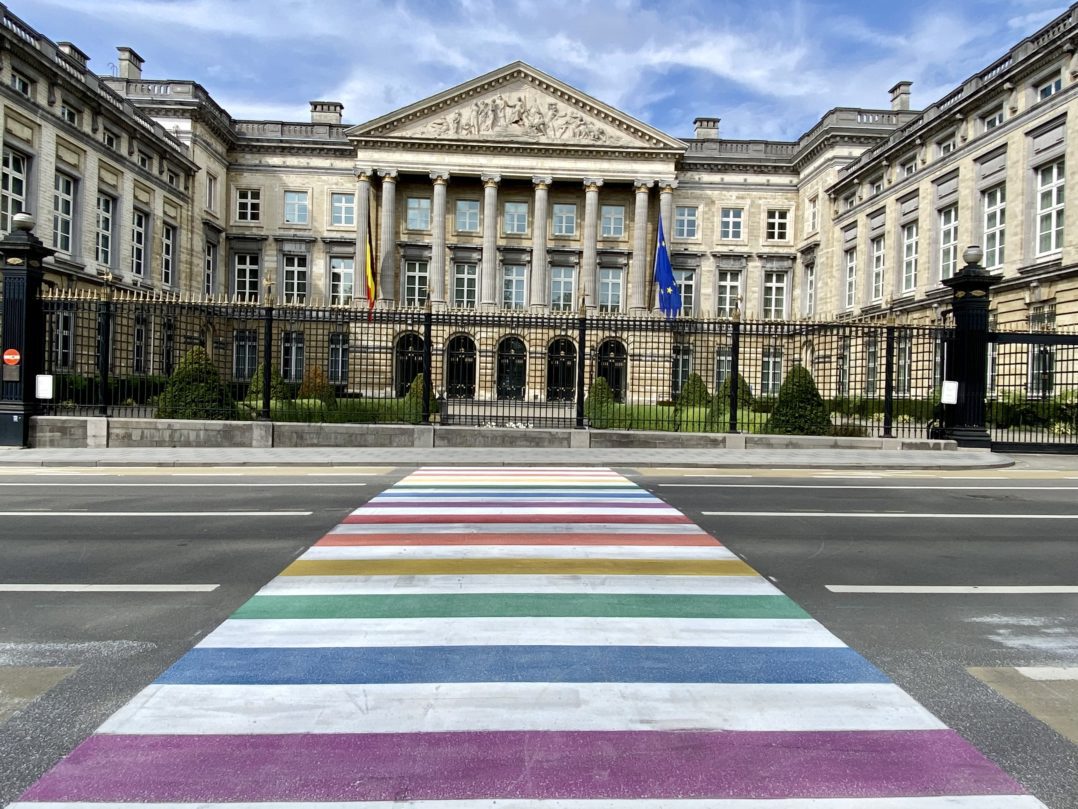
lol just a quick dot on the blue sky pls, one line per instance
(768, 68)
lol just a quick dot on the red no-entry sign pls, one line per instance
(12, 356)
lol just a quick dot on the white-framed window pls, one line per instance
(106, 223)
(246, 277)
(516, 218)
(730, 220)
(296, 208)
(777, 226)
(342, 280)
(686, 284)
(680, 367)
(416, 280)
(872, 364)
(144, 161)
(994, 202)
(62, 340)
(945, 146)
(879, 267)
(138, 344)
(295, 278)
(843, 367)
(338, 357)
(909, 257)
(810, 290)
(70, 114)
(685, 220)
(724, 365)
(771, 371)
(991, 119)
(875, 185)
(138, 242)
(467, 216)
(169, 243)
(908, 168)
(774, 295)
(514, 277)
(851, 278)
(342, 209)
(812, 219)
(564, 219)
(209, 269)
(613, 221)
(211, 192)
(948, 230)
(292, 356)
(110, 139)
(172, 178)
(417, 211)
(610, 289)
(1050, 210)
(21, 84)
(465, 284)
(248, 205)
(562, 288)
(849, 201)
(13, 179)
(1049, 86)
(903, 363)
(244, 353)
(63, 212)
(728, 292)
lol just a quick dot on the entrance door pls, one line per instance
(512, 368)
(611, 366)
(561, 370)
(460, 368)
(407, 361)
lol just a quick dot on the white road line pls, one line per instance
(995, 589)
(1048, 672)
(164, 485)
(108, 588)
(961, 802)
(891, 515)
(715, 551)
(156, 513)
(923, 488)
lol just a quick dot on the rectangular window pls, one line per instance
(465, 281)
(110, 139)
(342, 280)
(851, 278)
(1050, 180)
(879, 263)
(903, 363)
(209, 269)
(106, 211)
(211, 192)
(1042, 368)
(680, 368)
(994, 201)
(138, 243)
(909, 257)
(610, 285)
(62, 339)
(948, 223)
(810, 290)
(724, 366)
(777, 222)
(849, 201)
(945, 147)
(246, 278)
(292, 356)
(296, 210)
(513, 277)
(564, 220)
(613, 221)
(12, 187)
(70, 114)
(244, 353)
(730, 223)
(416, 279)
(728, 293)
(908, 169)
(248, 205)
(562, 288)
(1049, 87)
(63, 212)
(144, 161)
(813, 219)
(467, 216)
(417, 213)
(774, 295)
(843, 367)
(342, 210)
(990, 120)
(516, 218)
(172, 178)
(21, 85)
(875, 185)
(295, 278)
(685, 221)
(138, 344)
(168, 346)
(338, 358)
(872, 364)
(168, 254)
(771, 371)
(686, 283)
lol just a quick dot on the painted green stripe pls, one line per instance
(540, 605)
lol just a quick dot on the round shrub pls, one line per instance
(195, 390)
(694, 393)
(279, 389)
(799, 410)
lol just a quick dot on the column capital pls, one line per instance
(440, 176)
(490, 180)
(363, 173)
(667, 186)
(592, 183)
(388, 175)
(642, 185)
(542, 182)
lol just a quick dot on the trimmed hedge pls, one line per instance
(800, 410)
(195, 390)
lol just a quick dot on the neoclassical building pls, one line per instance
(517, 191)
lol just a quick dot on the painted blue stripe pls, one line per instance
(553, 664)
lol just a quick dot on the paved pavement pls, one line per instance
(524, 638)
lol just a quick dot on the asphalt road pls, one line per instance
(70, 659)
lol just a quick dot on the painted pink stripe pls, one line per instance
(535, 765)
(420, 517)
(479, 501)
(564, 538)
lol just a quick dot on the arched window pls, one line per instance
(460, 367)
(407, 361)
(611, 365)
(560, 370)
(512, 368)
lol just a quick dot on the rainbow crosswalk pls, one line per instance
(523, 638)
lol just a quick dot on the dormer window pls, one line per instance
(945, 146)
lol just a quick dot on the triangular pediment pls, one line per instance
(517, 104)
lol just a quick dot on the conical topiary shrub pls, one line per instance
(599, 404)
(694, 393)
(316, 386)
(799, 410)
(279, 389)
(720, 402)
(195, 390)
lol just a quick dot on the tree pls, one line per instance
(316, 386)
(278, 387)
(720, 402)
(195, 390)
(694, 393)
(799, 410)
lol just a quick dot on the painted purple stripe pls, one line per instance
(527, 765)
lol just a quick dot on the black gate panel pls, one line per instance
(561, 371)
(460, 368)
(512, 369)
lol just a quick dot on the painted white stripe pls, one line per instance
(156, 513)
(170, 485)
(462, 499)
(673, 528)
(508, 480)
(108, 588)
(597, 511)
(456, 471)
(957, 802)
(309, 633)
(454, 707)
(996, 589)
(479, 491)
(520, 552)
(903, 515)
(1049, 672)
(923, 487)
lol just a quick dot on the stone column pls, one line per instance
(387, 243)
(488, 280)
(589, 270)
(666, 214)
(540, 282)
(363, 223)
(437, 247)
(641, 272)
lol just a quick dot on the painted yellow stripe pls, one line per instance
(485, 567)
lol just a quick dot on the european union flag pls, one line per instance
(669, 294)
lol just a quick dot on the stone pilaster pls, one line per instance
(363, 223)
(488, 272)
(540, 282)
(437, 247)
(638, 283)
(589, 268)
(666, 214)
(387, 243)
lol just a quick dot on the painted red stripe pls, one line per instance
(420, 517)
(666, 540)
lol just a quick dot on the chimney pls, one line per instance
(68, 49)
(326, 112)
(707, 128)
(900, 96)
(130, 64)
